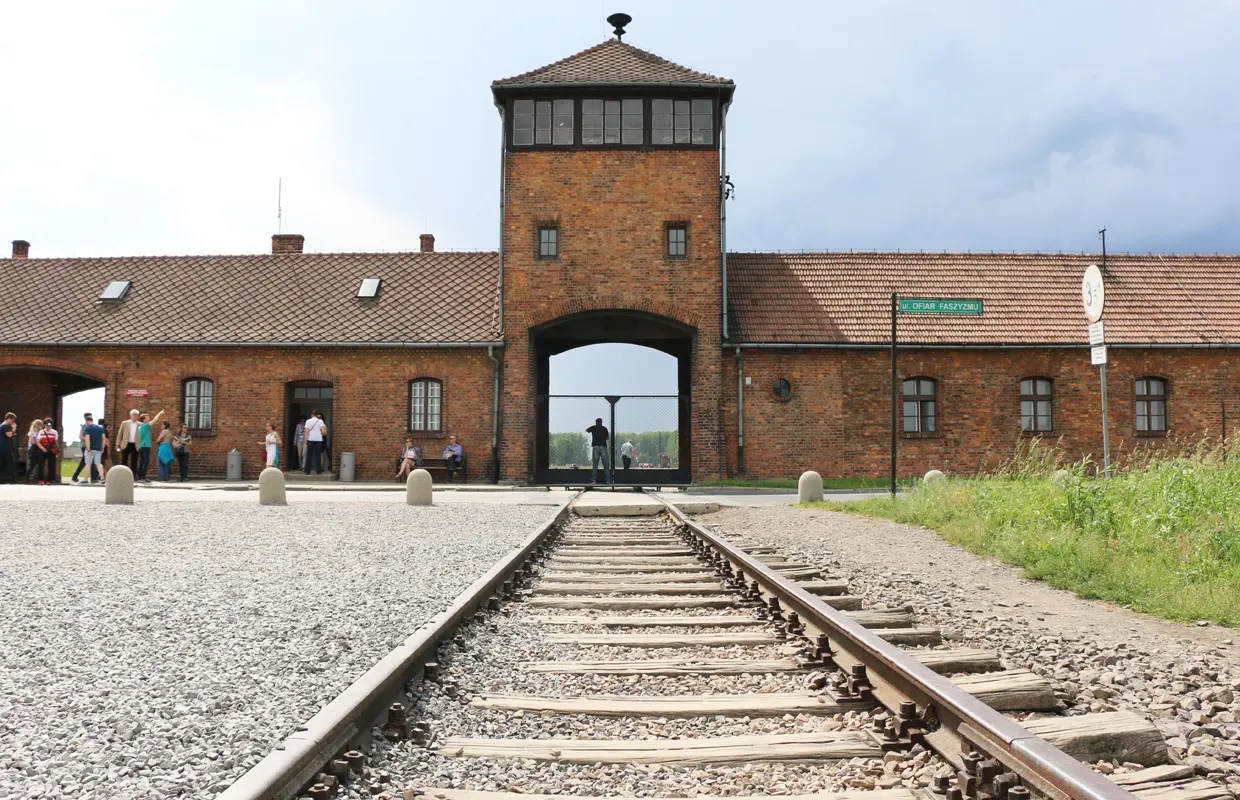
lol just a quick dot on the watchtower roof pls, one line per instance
(613, 63)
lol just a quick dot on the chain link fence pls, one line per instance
(651, 423)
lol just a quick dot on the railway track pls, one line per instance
(647, 656)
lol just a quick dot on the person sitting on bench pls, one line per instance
(453, 455)
(410, 458)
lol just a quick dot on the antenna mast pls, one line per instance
(280, 206)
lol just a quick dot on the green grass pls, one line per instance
(1162, 535)
(790, 483)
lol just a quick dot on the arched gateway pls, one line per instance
(660, 424)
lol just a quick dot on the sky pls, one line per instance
(164, 128)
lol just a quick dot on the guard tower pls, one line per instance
(611, 233)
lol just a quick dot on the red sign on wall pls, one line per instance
(137, 392)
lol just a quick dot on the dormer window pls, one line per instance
(115, 292)
(542, 122)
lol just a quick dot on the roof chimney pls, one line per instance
(428, 242)
(21, 248)
(287, 243)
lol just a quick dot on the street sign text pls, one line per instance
(922, 305)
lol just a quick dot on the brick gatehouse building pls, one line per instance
(614, 230)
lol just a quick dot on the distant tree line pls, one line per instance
(567, 449)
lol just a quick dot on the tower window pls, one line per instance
(677, 239)
(682, 121)
(542, 122)
(548, 242)
(612, 122)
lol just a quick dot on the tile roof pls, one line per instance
(612, 62)
(844, 298)
(288, 298)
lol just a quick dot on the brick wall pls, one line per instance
(611, 208)
(837, 421)
(370, 404)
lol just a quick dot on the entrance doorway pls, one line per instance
(630, 369)
(303, 397)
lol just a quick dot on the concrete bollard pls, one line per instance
(418, 488)
(118, 488)
(809, 487)
(271, 487)
(1059, 478)
(934, 475)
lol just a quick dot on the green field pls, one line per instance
(827, 483)
(1162, 535)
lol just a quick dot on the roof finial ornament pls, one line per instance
(618, 21)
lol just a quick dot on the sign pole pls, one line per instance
(1106, 441)
(1093, 296)
(895, 385)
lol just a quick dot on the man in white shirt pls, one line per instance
(316, 429)
(628, 453)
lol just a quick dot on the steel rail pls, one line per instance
(349, 717)
(964, 723)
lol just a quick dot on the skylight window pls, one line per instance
(115, 292)
(369, 287)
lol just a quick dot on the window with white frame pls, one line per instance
(426, 405)
(198, 403)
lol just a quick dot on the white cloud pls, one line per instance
(121, 156)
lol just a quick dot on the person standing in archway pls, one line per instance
(598, 450)
(316, 428)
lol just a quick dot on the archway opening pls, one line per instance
(632, 371)
(39, 392)
(632, 388)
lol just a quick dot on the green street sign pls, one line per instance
(923, 305)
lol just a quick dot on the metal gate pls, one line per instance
(655, 428)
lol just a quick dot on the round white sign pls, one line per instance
(1093, 295)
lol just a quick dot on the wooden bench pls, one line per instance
(438, 469)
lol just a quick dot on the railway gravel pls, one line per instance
(159, 651)
(1186, 678)
(490, 662)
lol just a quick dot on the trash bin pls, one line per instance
(347, 461)
(234, 465)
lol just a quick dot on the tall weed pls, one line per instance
(1161, 534)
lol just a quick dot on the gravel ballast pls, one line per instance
(161, 650)
(1186, 678)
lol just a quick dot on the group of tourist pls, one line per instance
(133, 441)
(310, 439)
